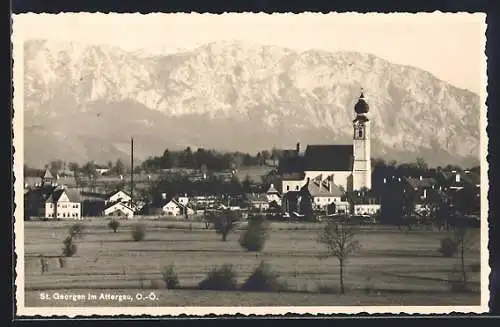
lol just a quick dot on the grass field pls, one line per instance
(392, 267)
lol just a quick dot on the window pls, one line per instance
(360, 132)
(288, 187)
(296, 187)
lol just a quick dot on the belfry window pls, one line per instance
(360, 132)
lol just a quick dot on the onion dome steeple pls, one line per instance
(361, 106)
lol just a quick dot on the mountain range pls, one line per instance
(84, 102)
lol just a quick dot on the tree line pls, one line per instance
(207, 159)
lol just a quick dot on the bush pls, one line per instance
(69, 248)
(114, 224)
(76, 230)
(254, 237)
(170, 277)
(448, 247)
(138, 233)
(221, 279)
(263, 280)
(225, 223)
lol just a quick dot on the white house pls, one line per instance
(63, 203)
(175, 208)
(119, 209)
(118, 196)
(325, 194)
(348, 166)
(366, 209)
(184, 200)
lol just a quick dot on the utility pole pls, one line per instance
(132, 169)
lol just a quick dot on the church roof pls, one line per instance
(291, 164)
(329, 157)
(361, 106)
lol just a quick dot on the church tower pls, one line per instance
(362, 169)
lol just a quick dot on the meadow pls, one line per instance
(392, 267)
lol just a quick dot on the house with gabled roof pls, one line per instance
(173, 207)
(118, 196)
(63, 203)
(349, 165)
(119, 209)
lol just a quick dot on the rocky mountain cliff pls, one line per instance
(84, 102)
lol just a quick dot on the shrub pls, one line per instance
(170, 277)
(69, 248)
(138, 233)
(223, 278)
(254, 237)
(448, 247)
(76, 230)
(114, 224)
(225, 223)
(264, 280)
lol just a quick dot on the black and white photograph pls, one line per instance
(245, 163)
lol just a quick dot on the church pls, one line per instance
(332, 166)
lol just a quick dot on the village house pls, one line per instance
(258, 201)
(63, 203)
(119, 209)
(273, 195)
(176, 207)
(50, 200)
(118, 196)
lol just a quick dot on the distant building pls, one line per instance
(102, 171)
(174, 208)
(50, 200)
(119, 209)
(324, 193)
(258, 201)
(347, 166)
(273, 195)
(118, 196)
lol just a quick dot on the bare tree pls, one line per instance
(339, 239)
(465, 240)
(224, 223)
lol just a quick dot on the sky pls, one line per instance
(450, 46)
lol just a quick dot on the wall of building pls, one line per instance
(369, 209)
(295, 185)
(63, 210)
(273, 197)
(323, 201)
(119, 210)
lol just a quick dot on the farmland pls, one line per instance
(392, 268)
